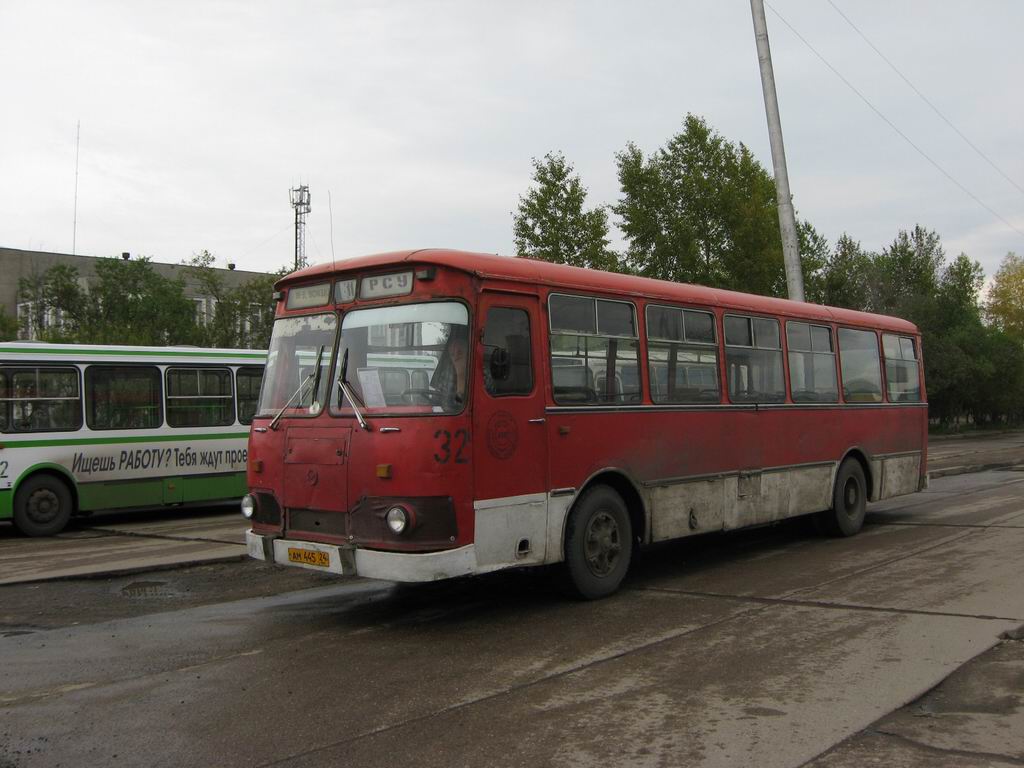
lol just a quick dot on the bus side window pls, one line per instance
(40, 400)
(199, 397)
(123, 397)
(247, 385)
(903, 384)
(753, 360)
(507, 366)
(594, 350)
(858, 363)
(812, 363)
(682, 355)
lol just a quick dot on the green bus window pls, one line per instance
(39, 399)
(199, 397)
(247, 385)
(123, 397)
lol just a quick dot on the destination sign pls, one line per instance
(381, 286)
(308, 296)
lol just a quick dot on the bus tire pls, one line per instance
(42, 506)
(849, 501)
(598, 544)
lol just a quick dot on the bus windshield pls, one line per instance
(291, 378)
(410, 358)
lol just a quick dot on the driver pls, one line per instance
(451, 374)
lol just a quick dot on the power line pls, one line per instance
(925, 99)
(892, 125)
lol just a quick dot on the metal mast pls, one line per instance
(787, 219)
(300, 202)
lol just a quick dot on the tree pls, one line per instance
(701, 210)
(551, 223)
(242, 316)
(906, 272)
(845, 279)
(1005, 306)
(8, 326)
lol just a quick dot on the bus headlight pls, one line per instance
(397, 519)
(248, 505)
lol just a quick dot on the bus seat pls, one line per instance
(394, 381)
(419, 379)
(573, 384)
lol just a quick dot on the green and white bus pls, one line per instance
(86, 428)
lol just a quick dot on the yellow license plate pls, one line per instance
(309, 557)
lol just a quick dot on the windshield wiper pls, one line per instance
(313, 375)
(346, 390)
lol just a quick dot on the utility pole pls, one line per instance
(300, 202)
(787, 219)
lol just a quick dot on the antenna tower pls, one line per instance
(300, 202)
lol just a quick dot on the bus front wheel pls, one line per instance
(849, 501)
(598, 544)
(42, 506)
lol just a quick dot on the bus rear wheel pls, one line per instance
(849, 501)
(598, 544)
(42, 506)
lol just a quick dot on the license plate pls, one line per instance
(309, 557)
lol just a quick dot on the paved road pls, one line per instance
(769, 648)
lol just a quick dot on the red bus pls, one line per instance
(431, 414)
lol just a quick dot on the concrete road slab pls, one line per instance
(369, 675)
(23, 559)
(978, 574)
(226, 527)
(777, 562)
(980, 712)
(876, 749)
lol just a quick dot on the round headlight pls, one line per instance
(248, 505)
(397, 519)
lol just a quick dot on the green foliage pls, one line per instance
(1005, 306)
(551, 223)
(8, 326)
(701, 210)
(129, 302)
(242, 316)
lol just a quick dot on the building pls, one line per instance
(16, 264)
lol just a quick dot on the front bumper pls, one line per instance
(351, 561)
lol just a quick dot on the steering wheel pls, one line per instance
(431, 396)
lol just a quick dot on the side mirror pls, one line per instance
(501, 364)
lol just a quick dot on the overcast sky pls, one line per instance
(421, 118)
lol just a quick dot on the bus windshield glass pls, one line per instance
(410, 358)
(291, 380)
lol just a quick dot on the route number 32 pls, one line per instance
(449, 443)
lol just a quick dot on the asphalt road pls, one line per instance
(771, 647)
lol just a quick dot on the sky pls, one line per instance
(414, 122)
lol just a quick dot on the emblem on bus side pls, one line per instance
(312, 478)
(502, 435)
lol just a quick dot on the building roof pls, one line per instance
(561, 276)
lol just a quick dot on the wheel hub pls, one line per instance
(602, 544)
(43, 506)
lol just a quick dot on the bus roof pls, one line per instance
(38, 349)
(563, 277)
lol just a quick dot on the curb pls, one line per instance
(968, 469)
(129, 571)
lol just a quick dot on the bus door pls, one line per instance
(509, 432)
